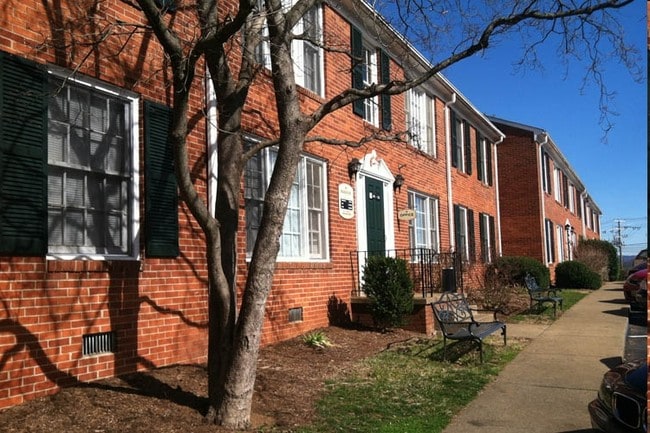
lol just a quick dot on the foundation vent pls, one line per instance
(96, 344)
(295, 314)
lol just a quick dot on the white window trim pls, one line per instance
(557, 183)
(303, 211)
(460, 142)
(545, 175)
(559, 235)
(432, 224)
(488, 239)
(297, 49)
(297, 52)
(133, 101)
(548, 236)
(463, 219)
(419, 105)
(370, 105)
(483, 148)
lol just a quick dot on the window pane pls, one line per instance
(78, 106)
(55, 189)
(98, 114)
(79, 148)
(74, 190)
(83, 146)
(57, 137)
(55, 227)
(74, 228)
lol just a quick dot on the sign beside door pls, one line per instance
(346, 201)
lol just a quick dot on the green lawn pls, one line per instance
(410, 388)
(569, 298)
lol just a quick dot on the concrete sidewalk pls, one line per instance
(547, 387)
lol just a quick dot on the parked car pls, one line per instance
(633, 282)
(621, 405)
(640, 258)
(638, 267)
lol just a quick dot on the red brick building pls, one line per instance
(545, 207)
(102, 271)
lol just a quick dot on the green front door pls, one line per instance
(375, 215)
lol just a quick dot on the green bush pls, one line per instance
(388, 285)
(510, 271)
(576, 275)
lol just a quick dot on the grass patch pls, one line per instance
(409, 388)
(570, 297)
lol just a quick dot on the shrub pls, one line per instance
(388, 285)
(510, 271)
(317, 339)
(606, 248)
(594, 258)
(576, 275)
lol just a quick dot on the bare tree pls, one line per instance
(224, 36)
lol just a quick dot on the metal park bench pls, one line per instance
(454, 315)
(539, 296)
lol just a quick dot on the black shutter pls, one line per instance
(23, 157)
(457, 228)
(482, 235)
(471, 239)
(488, 155)
(356, 45)
(493, 240)
(468, 148)
(454, 139)
(384, 65)
(161, 197)
(479, 158)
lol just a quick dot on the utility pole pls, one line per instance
(619, 235)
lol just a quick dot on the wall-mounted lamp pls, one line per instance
(568, 227)
(399, 181)
(353, 167)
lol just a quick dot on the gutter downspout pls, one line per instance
(541, 190)
(450, 198)
(583, 219)
(496, 190)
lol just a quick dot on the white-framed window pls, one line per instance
(421, 121)
(305, 49)
(487, 235)
(557, 184)
(560, 242)
(572, 198)
(423, 230)
(549, 243)
(307, 53)
(464, 232)
(484, 160)
(588, 216)
(304, 236)
(369, 74)
(92, 168)
(460, 143)
(546, 173)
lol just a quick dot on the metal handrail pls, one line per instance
(431, 271)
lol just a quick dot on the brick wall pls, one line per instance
(519, 195)
(157, 307)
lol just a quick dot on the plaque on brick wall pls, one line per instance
(406, 214)
(346, 201)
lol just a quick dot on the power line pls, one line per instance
(619, 235)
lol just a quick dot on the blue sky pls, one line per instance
(614, 172)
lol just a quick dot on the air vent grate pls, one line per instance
(295, 314)
(95, 344)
